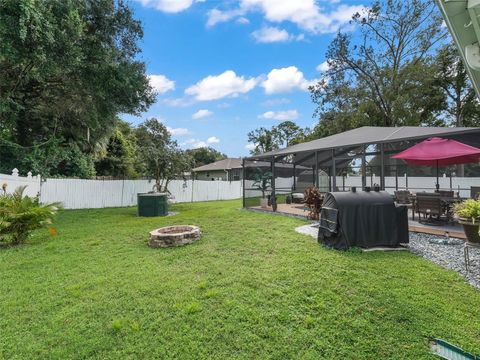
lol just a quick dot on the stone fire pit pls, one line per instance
(174, 236)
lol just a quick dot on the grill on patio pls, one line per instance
(363, 219)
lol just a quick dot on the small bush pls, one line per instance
(313, 200)
(20, 215)
(468, 209)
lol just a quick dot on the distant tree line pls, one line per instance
(398, 68)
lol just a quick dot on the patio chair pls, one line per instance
(474, 192)
(429, 208)
(403, 198)
(446, 193)
(297, 197)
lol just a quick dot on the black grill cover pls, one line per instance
(363, 219)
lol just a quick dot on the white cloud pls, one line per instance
(250, 146)
(178, 131)
(216, 16)
(280, 115)
(215, 87)
(243, 21)
(270, 34)
(285, 80)
(161, 84)
(178, 102)
(196, 143)
(306, 14)
(201, 114)
(213, 140)
(169, 6)
(323, 67)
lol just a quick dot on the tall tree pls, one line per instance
(163, 160)
(263, 139)
(118, 157)
(282, 135)
(205, 155)
(383, 76)
(462, 107)
(67, 69)
(287, 132)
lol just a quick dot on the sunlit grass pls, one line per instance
(250, 288)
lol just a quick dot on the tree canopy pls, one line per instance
(68, 68)
(384, 76)
(205, 155)
(284, 134)
(163, 160)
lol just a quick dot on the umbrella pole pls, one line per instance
(438, 184)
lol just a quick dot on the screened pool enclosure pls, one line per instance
(356, 158)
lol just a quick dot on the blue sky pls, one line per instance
(222, 68)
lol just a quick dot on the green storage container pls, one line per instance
(152, 204)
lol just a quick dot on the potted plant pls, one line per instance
(313, 200)
(468, 213)
(262, 182)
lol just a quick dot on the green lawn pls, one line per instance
(250, 288)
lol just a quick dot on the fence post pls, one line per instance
(192, 184)
(123, 185)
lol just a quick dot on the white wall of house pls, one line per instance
(223, 175)
(211, 175)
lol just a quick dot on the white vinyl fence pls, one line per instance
(84, 194)
(414, 184)
(14, 181)
(88, 194)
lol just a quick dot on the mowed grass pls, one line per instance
(251, 288)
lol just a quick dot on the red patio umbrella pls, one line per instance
(439, 152)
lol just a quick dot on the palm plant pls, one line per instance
(262, 181)
(20, 215)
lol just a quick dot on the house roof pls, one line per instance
(461, 17)
(225, 164)
(367, 135)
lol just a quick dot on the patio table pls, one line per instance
(447, 202)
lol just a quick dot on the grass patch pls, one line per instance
(250, 288)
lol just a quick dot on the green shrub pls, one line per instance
(468, 209)
(20, 215)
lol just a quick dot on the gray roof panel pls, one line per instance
(367, 135)
(225, 164)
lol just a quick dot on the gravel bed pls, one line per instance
(447, 253)
(449, 256)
